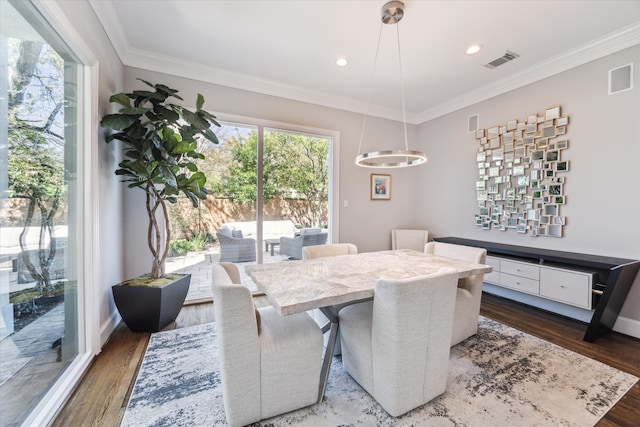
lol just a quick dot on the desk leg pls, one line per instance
(332, 315)
(272, 247)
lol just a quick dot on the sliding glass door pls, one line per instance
(265, 183)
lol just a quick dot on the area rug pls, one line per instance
(499, 377)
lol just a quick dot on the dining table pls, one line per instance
(331, 283)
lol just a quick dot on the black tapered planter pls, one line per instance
(150, 309)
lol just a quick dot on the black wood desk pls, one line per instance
(617, 274)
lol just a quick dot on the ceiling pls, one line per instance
(289, 48)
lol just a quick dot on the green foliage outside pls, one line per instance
(195, 243)
(36, 145)
(295, 166)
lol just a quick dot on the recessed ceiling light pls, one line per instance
(474, 48)
(341, 62)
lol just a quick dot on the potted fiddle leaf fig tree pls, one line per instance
(160, 153)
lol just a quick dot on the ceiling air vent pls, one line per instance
(508, 56)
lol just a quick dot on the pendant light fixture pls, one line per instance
(391, 13)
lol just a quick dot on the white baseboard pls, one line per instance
(107, 327)
(627, 326)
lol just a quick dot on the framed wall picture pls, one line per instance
(380, 187)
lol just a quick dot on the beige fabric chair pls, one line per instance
(469, 294)
(309, 252)
(397, 346)
(409, 239)
(320, 252)
(268, 372)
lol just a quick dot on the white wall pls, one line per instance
(109, 215)
(602, 187)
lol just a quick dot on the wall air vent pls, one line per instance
(508, 56)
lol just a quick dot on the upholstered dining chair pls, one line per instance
(333, 249)
(409, 239)
(397, 346)
(269, 364)
(469, 293)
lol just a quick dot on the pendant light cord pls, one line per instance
(404, 112)
(373, 72)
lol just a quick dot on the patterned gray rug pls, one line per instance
(499, 377)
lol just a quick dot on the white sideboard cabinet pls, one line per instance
(565, 285)
(587, 287)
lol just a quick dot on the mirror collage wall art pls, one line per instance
(522, 167)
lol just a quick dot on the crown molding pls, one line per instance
(197, 71)
(614, 42)
(606, 45)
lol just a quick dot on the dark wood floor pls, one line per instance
(101, 398)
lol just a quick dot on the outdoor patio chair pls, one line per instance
(234, 247)
(292, 246)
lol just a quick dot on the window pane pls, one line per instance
(39, 206)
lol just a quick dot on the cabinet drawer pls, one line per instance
(494, 263)
(522, 284)
(520, 269)
(568, 287)
(494, 276)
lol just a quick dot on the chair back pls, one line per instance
(461, 252)
(320, 251)
(314, 239)
(238, 348)
(411, 326)
(409, 239)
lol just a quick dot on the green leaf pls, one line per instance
(165, 113)
(146, 82)
(210, 135)
(199, 102)
(150, 95)
(195, 202)
(183, 147)
(198, 177)
(195, 120)
(117, 121)
(121, 98)
(134, 111)
(192, 167)
(168, 175)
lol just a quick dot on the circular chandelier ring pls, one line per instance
(413, 158)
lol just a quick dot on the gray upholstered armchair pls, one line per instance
(292, 246)
(235, 248)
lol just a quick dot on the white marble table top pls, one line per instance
(297, 286)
